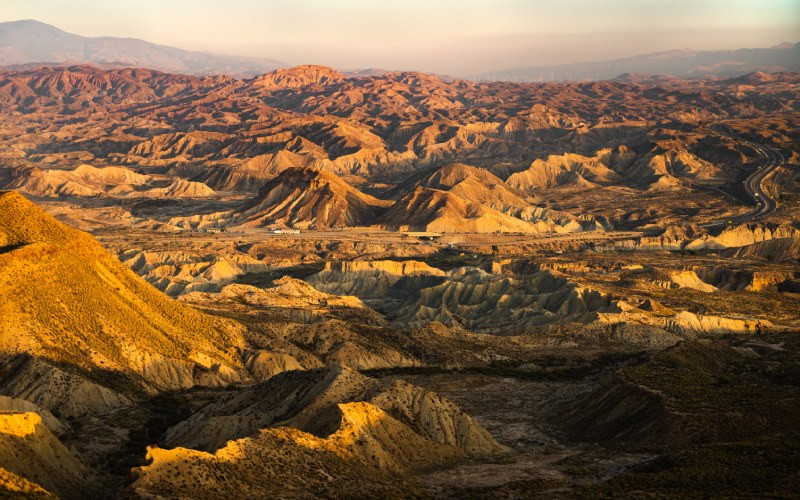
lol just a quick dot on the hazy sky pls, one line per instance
(461, 37)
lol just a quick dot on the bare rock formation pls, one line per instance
(425, 209)
(366, 453)
(85, 180)
(298, 76)
(309, 198)
(302, 400)
(28, 449)
(179, 189)
(368, 279)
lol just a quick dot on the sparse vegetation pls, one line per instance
(732, 414)
(595, 308)
(85, 310)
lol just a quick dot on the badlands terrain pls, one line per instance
(315, 284)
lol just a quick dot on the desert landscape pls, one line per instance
(237, 278)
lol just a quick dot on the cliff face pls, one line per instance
(369, 279)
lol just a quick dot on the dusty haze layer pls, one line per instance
(443, 36)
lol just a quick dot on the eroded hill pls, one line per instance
(75, 318)
(388, 284)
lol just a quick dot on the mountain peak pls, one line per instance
(678, 63)
(28, 23)
(22, 223)
(754, 77)
(29, 41)
(453, 173)
(299, 76)
(305, 197)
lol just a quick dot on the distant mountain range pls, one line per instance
(31, 42)
(684, 63)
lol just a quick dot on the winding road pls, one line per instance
(753, 185)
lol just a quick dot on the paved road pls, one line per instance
(771, 159)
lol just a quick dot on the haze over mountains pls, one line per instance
(34, 42)
(680, 63)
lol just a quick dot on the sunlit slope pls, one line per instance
(30, 452)
(14, 486)
(309, 197)
(367, 456)
(64, 299)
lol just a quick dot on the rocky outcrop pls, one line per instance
(779, 249)
(425, 209)
(749, 240)
(686, 321)
(299, 198)
(179, 189)
(298, 76)
(307, 197)
(293, 299)
(84, 180)
(263, 364)
(305, 400)
(29, 450)
(65, 394)
(672, 237)
(732, 279)
(487, 303)
(368, 279)
(177, 273)
(743, 235)
(14, 405)
(667, 326)
(287, 293)
(690, 279)
(366, 453)
(570, 169)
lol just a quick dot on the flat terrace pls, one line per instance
(372, 235)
